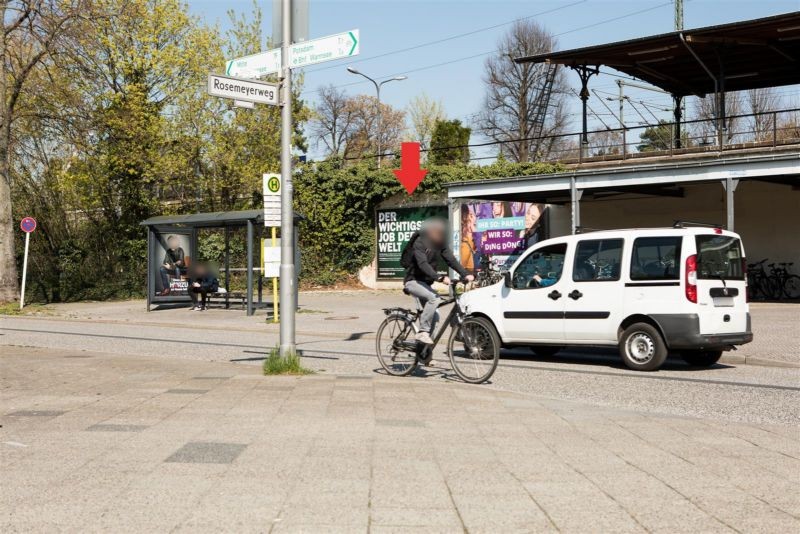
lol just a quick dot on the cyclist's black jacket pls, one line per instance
(425, 258)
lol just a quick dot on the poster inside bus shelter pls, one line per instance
(395, 228)
(499, 232)
(170, 259)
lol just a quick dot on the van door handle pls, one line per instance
(575, 295)
(554, 294)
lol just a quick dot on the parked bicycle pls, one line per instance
(489, 274)
(473, 346)
(776, 284)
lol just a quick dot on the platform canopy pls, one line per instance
(742, 55)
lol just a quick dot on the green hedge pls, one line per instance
(337, 237)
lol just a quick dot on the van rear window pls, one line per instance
(719, 256)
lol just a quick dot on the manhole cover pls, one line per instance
(341, 318)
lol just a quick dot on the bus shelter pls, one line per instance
(176, 236)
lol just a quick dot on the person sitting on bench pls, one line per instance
(201, 283)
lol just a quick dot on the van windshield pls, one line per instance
(719, 257)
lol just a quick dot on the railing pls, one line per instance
(755, 130)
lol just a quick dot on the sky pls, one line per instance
(451, 71)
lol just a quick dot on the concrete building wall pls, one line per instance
(767, 216)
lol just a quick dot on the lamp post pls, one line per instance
(378, 86)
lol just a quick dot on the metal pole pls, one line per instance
(678, 14)
(730, 187)
(573, 194)
(24, 270)
(227, 268)
(378, 88)
(287, 286)
(249, 267)
(274, 282)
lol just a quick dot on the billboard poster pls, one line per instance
(499, 231)
(171, 258)
(395, 226)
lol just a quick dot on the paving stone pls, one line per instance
(36, 413)
(107, 427)
(188, 391)
(199, 452)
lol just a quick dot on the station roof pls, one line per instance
(749, 54)
(211, 220)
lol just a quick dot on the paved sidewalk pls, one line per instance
(95, 442)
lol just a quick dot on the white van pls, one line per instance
(647, 291)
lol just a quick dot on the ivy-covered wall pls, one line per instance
(337, 237)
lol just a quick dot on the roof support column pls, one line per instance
(678, 102)
(585, 72)
(249, 267)
(575, 195)
(729, 184)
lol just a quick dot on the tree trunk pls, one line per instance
(8, 262)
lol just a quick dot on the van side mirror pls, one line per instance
(507, 278)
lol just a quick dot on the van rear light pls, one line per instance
(746, 285)
(691, 278)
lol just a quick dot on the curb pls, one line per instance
(760, 362)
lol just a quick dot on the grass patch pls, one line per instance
(309, 310)
(12, 308)
(275, 364)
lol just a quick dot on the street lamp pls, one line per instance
(378, 86)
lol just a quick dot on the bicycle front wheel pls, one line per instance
(393, 345)
(474, 350)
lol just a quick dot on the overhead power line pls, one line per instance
(474, 56)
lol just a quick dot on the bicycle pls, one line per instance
(760, 284)
(785, 283)
(489, 273)
(473, 346)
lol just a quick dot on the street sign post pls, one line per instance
(272, 219)
(243, 90)
(27, 225)
(338, 46)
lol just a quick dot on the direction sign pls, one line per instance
(256, 65)
(327, 48)
(302, 54)
(27, 225)
(243, 90)
(272, 200)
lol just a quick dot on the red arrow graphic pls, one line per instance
(409, 174)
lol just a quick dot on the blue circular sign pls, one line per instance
(28, 225)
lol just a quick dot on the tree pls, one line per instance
(656, 137)
(524, 102)
(424, 113)
(761, 102)
(705, 110)
(364, 134)
(449, 143)
(332, 120)
(32, 31)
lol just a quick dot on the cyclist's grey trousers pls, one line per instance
(429, 300)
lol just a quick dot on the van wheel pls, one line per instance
(545, 351)
(701, 358)
(642, 348)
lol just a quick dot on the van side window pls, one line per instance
(541, 268)
(597, 260)
(656, 258)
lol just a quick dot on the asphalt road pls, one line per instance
(727, 392)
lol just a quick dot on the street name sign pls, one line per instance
(243, 90)
(272, 200)
(339, 46)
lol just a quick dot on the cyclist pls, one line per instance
(420, 257)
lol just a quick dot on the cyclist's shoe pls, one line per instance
(424, 337)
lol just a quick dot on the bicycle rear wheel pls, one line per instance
(474, 350)
(791, 287)
(393, 345)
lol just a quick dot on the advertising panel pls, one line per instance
(499, 231)
(395, 227)
(171, 257)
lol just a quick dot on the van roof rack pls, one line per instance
(684, 224)
(584, 229)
